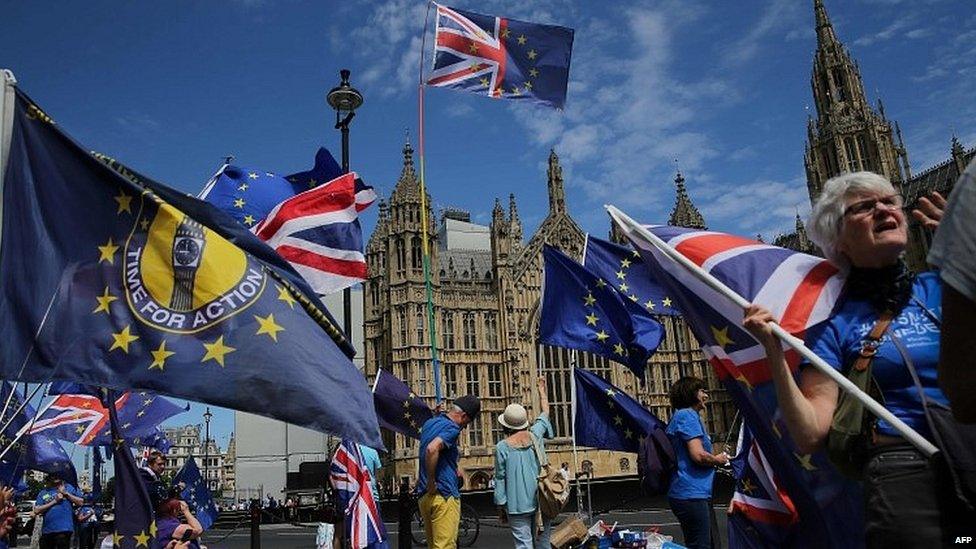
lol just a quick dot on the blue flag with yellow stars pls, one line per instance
(397, 407)
(38, 452)
(608, 418)
(501, 57)
(196, 494)
(582, 311)
(624, 269)
(134, 516)
(115, 280)
(248, 195)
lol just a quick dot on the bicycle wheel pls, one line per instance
(417, 532)
(470, 526)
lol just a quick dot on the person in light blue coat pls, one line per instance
(517, 472)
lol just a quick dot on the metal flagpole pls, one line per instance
(424, 217)
(572, 399)
(630, 226)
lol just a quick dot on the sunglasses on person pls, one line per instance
(865, 207)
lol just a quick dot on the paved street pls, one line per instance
(491, 536)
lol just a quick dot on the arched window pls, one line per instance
(491, 330)
(402, 323)
(420, 320)
(416, 255)
(447, 330)
(401, 255)
(470, 341)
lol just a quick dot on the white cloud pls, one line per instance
(778, 14)
(887, 33)
(766, 206)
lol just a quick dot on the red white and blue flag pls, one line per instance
(785, 497)
(501, 57)
(318, 232)
(351, 480)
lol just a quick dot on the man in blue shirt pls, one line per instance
(437, 482)
(56, 503)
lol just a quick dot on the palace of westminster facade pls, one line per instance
(487, 284)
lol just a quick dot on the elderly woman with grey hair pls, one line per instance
(859, 223)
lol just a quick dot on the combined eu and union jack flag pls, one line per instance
(196, 493)
(500, 57)
(800, 290)
(397, 407)
(114, 280)
(583, 311)
(38, 452)
(135, 524)
(82, 418)
(351, 479)
(310, 218)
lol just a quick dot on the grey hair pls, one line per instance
(456, 408)
(827, 217)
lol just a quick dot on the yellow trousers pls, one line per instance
(441, 519)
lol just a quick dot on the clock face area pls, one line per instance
(186, 251)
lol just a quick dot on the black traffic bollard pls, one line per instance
(405, 510)
(255, 524)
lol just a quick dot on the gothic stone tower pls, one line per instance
(847, 135)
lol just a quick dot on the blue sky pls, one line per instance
(723, 87)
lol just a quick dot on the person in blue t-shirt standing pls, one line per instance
(437, 482)
(56, 503)
(690, 494)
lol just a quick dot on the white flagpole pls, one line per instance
(572, 408)
(628, 225)
(7, 100)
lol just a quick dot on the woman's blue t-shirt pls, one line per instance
(690, 480)
(838, 341)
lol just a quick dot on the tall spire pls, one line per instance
(685, 214)
(557, 195)
(513, 219)
(407, 186)
(825, 31)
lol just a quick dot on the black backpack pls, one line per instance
(656, 462)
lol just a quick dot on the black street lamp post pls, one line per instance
(345, 99)
(206, 448)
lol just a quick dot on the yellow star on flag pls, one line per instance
(628, 433)
(484, 81)
(589, 300)
(621, 275)
(243, 187)
(747, 486)
(80, 429)
(722, 336)
(117, 539)
(516, 90)
(125, 202)
(122, 340)
(528, 86)
(285, 295)
(533, 72)
(144, 224)
(591, 319)
(239, 203)
(624, 287)
(249, 220)
(506, 33)
(666, 302)
(601, 336)
(104, 301)
(611, 392)
(142, 540)
(268, 326)
(252, 175)
(600, 283)
(649, 304)
(633, 298)
(619, 350)
(617, 420)
(532, 54)
(160, 355)
(806, 461)
(107, 252)
(472, 47)
(624, 263)
(522, 40)
(152, 528)
(217, 351)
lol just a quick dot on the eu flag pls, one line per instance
(582, 311)
(397, 407)
(115, 280)
(500, 57)
(325, 169)
(134, 516)
(38, 452)
(608, 418)
(196, 494)
(624, 269)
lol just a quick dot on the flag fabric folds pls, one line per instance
(319, 233)
(134, 516)
(397, 407)
(608, 418)
(582, 311)
(500, 57)
(624, 269)
(766, 508)
(350, 478)
(196, 494)
(800, 290)
(112, 279)
(81, 418)
(38, 452)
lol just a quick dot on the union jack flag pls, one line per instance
(318, 232)
(351, 479)
(501, 57)
(83, 419)
(791, 498)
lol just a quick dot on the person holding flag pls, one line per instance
(690, 494)
(56, 503)
(888, 321)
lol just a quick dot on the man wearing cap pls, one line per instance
(437, 483)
